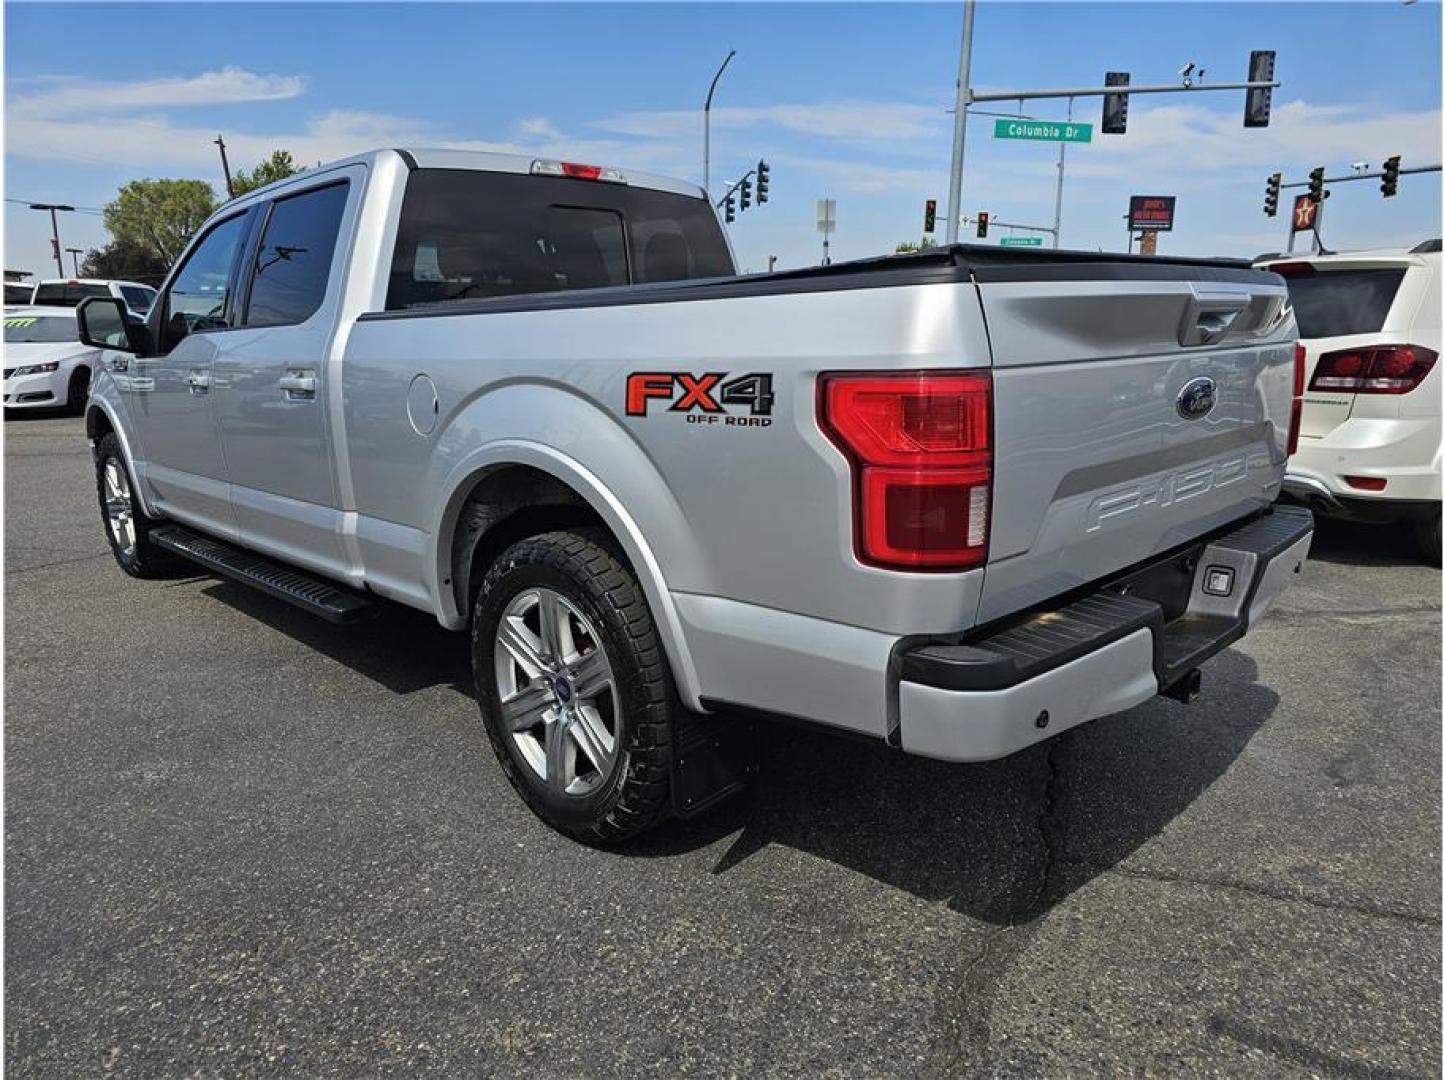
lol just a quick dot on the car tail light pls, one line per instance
(1367, 483)
(920, 446)
(1382, 369)
(577, 171)
(1296, 411)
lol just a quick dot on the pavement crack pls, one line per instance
(1396, 914)
(1050, 827)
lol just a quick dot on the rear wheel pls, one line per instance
(1427, 533)
(126, 525)
(575, 690)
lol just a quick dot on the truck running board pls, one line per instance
(335, 603)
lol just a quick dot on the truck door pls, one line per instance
(172, 393)
(272, 408)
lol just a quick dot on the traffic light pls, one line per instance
(744, 191)
(983, 225)
(1115, 106)
(930, 215)
(1271, 195)
(730, 208)
(1316, 184)
(1390, 184)
(763, 172)
(1256, 103)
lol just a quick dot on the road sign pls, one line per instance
(826, 216)
(1151, 212)
(1042, 131)
(1022, 241)
(1305, 211)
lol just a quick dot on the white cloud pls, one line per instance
(67, 96)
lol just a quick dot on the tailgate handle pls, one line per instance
(1207, 322)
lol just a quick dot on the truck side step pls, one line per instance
(332, 602)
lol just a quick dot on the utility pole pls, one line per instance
(226, 168)
(707, 126)
(75, 254)
(54, 231)
(1058, 198)
(960, 123)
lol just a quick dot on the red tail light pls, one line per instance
(920, 445)
(1296, 413)
(1383, 369)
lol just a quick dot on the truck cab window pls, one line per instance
(468, 233)
(293, 262)
(197, 297)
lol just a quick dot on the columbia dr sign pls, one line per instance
(1042, 131)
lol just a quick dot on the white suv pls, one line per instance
(1369, 446)
(67, 292)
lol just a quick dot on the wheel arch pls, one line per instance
(526, 488)
(100, 420)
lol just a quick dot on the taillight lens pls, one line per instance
(920, 445)
(1296, 412)
(1382, 369)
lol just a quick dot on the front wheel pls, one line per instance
(575, 690)
(126, 525)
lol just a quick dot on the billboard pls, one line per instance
(1151, 212)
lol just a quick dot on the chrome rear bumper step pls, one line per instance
(334, 603)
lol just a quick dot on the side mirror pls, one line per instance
(105, 323)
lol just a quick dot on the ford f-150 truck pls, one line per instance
(957, 501)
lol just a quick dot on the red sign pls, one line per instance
(1305, 209)
(1151, 213)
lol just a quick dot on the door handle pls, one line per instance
(199, 381)
(120, 363)
(299, 385)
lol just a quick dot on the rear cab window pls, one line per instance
(66, 293)
(467, 234)
(1336, 303)
(292, 263)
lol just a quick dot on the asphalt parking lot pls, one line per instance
(238, 840)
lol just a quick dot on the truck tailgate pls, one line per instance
(1107, 450)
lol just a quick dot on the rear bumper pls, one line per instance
(1403, 452)
(1099, 653)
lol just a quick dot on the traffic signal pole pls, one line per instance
(960, 123)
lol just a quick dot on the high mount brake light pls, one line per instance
(920, 447)
(576, 171)
(1296, 410)
(1380, 369)
(1293, 269)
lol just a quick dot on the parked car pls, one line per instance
(1370, 441)
(532, 398)
(46, 366)
(67, 292)
(18, 292)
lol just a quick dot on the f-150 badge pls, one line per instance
(706, 398)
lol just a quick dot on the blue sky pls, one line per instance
(846, 101)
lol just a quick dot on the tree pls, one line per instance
(910, 245)
(159, 216)
(126, 260)
(276, 167)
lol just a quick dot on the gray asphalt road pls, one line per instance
(241, 841)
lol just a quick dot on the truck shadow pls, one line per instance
(1000, 841)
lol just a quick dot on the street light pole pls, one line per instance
(707, 126)
(960, 123)
(54, 230)
(75, 254)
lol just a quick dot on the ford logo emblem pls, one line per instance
(1197, 398)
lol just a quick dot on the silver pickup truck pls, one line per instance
(958, 501)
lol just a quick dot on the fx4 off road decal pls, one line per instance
(705, 399)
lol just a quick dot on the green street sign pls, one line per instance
(1042, 131)
(1022, 241)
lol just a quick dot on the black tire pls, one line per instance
(634, 796)
(1427, 534)
(142, 559)
(77, 394)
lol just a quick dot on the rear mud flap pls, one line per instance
(713, 757)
